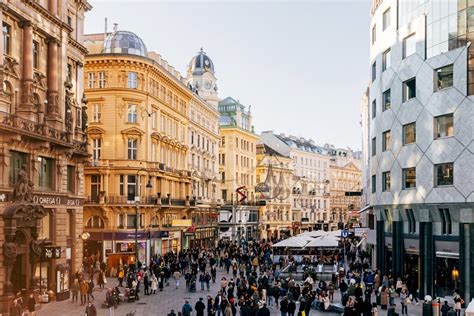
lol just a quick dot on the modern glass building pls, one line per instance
(420, 142)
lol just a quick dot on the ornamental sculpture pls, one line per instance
(23, 188)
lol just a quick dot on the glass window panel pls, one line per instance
(444, 77)
(444, 174)
(409, 178)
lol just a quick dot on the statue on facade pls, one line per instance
(68, 101)
(10, 252)
(23, 187)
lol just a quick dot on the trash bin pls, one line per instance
(452, 312)
(427, 310)
(435, 305)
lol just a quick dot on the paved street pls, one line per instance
(161, 303)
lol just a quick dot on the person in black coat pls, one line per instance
(200, 307)
(246, 310)
(264, 311)
(291, 308)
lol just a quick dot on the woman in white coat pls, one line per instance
(154, 283)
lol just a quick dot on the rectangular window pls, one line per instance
(132, 80)
(96, 147)
(409, 45)
(95, 187)
(36, 49)
(71, 178)
(131, 187)
(223, 159)
(101, 79)
(95, 113)
(17, 161)
(90, 80)
(374, 108)
(411, 221)
(409, 89)
(386, 181)
(386, 19)
(374, 184)
(374, 71)
(45, 179)
(446, 223)
(374, 146)
(444, 174)
(374, 34)
(444, 77)
(132, 113)
(386, 141)
(154, 122)
(386, 100)
(7, 48)
(132, 149)
(409, 178)
(153, 151)
(443, 126)
(409, 133)
(121, 185)
(163, 124)
(386, 59)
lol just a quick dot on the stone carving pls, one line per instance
(27, 92)
(68, 101)
(10, 66)
(121, 109)
(39, 80)
(23, 188)
(84, 118)
(10, 252)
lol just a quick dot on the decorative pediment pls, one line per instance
(156, 135)
(93, 130)
(133, 131)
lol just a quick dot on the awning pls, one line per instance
(412, 245)
(324, 242)
(447, 249)
(292, 242)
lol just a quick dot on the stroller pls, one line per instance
(192, 285)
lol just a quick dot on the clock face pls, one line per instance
(207, 85)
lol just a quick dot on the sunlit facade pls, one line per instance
(421, 142)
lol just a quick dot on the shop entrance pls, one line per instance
(412, 271)
(447, 274)
(19, 274)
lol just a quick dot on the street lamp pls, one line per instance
(137, 201)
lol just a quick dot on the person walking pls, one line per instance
(154, 283)
(177, 278)
(404, 300)
(32, 305)
(120, 277)
(263, 311)
(90, 290)
(84, 290)
(291, 308)
(445, 309)
(458, 301)
(187, 309)
(384, 297)
(200, 307)
(284, 306)
(91, 310)
(75, 290)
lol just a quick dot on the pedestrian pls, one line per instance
(101, 280)
(284, 306)
(110, 300)
(404, 301)
(458, 301)
(161, 280)
(375, 310)
(84, 290)
(75, 290)
(200, 307)
(177, 278)
(187, 309)
(384, 297)
(32, 305)
(171, 313)
(90, 290)
(120, 277)
(146, 283)
(90, 310)
(154, 283)
(291, 308)
(445, 309)
(263, 311)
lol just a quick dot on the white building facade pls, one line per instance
(421, 159)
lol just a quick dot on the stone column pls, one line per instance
(2, 7)
(27, 75)
(426, 258)
(53, 7)
(53, 96)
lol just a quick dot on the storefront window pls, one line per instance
(446, 277)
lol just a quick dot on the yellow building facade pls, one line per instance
(43, 147)
(274, 176)
(138, 135)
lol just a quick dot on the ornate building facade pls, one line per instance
(274, 176)
(237, 167)
(203, 134)
(43, 146)
(139, 139)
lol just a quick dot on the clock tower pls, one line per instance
(201, 78)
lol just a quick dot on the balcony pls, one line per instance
(35, 130)
(122, 200)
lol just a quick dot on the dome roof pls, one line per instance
(124, 42)
(201, 63)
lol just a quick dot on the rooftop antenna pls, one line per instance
(105, 29)
(115, 27)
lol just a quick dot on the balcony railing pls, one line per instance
(122, 199)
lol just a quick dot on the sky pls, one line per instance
(301, 65)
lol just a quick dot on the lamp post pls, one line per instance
(137, 201)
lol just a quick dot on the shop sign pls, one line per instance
(46, 199)
(50, 252)
(161, 234)
(127, 236)
(181, 223)
(359, 231)
(188, 234)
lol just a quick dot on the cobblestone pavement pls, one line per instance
(161, 303)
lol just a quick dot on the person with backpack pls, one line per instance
(187, 309)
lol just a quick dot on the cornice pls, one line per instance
(77, 45)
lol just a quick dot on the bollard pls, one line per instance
(435, 305)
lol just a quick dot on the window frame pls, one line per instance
(132, 149)
(7, 38)
(384, 100)
(46, 173)
(101, 79)
(132, 113)
(386, 13)
(90, 80)
(386, 180)
(436, 126)
(436, 174)
(406, 54)
(132, 80)
(406, 90)
(386, 60)
(404, 128)
(404, 178)
(36, 54)
(96, 148)
(386, 146)
(438, 86)
(374, 34)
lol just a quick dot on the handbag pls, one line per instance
(407, 301)
(105, 280)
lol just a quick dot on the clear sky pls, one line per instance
(301, 65)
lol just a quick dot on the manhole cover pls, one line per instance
(141, 303)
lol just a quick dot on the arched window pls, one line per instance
(95, 222)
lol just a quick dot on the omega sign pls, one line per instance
(56, 200)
